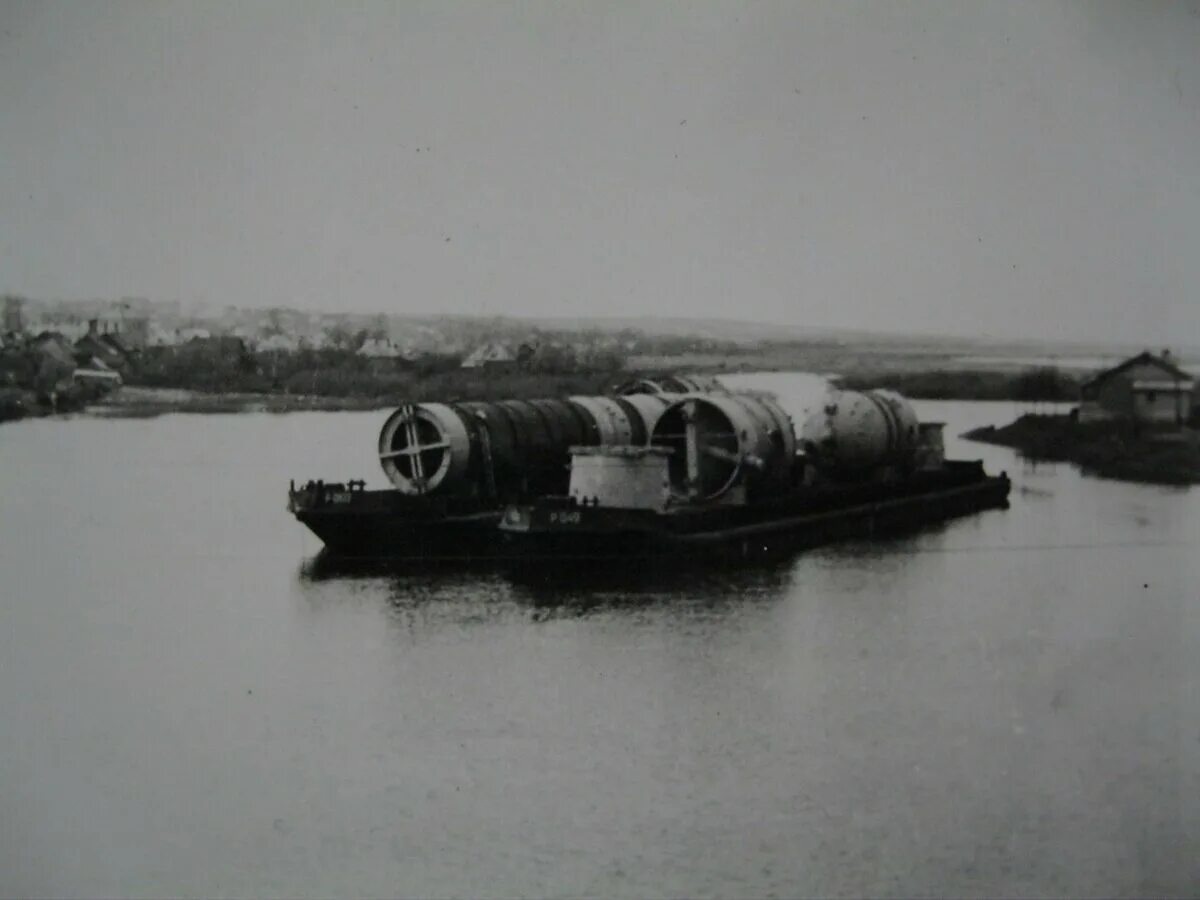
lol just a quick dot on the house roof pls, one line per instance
(492, 351)
(116, 342)
(1143, 358)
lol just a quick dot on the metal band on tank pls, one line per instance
(648, 408)
(585, 425)
(533, 439)
(640, 386)
(502, 432)
(619, 418)
(570, 422)
(552, 424)
(783, 422)
(904, 413)
(609, 417)
(590, 426)
(763, 424)
(497, 423)
(889, 419)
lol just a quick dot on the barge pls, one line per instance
(561, 528)
(454, 467)
(649, 475)
(726, 476)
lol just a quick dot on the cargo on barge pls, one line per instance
(644, 475)
(728, 475)
(454, 467)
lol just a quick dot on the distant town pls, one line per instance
(61, 356)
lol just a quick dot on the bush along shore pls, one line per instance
(136, 401)
(1120, 450)
(1030, 385)
(223, 375)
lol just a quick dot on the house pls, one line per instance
(96, 377)
(120, 344)
(383, 355)
(107, 347)
(1145, 388)
(490, 355)
(278, 343)
(382, 348)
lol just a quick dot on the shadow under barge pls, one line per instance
(698, 477)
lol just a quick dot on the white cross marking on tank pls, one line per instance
(410, 431)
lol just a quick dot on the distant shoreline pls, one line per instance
(1108, 449)
(139, 401)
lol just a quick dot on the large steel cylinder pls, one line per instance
(856, 431)
(721, 441)
(643, 411)
(610, 417)
(505, 448)
(671, 384)
(694, 384)
(422, 446)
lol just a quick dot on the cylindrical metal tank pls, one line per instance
(508, 447)
(643, 411)
(671, 384)
(422, 446)
(720, 441)
(858, 430)
(610, 418)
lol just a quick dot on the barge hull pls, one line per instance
(609, 534)
(384, 525)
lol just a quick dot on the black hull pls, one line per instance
(374, 535)
(386, 525)
(557, 531)
(383, 525)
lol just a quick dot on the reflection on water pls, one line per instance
(193, 701)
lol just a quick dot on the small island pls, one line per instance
(1135, 422)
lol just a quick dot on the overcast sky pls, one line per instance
(1008, 169)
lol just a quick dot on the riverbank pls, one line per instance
(1107, 449)
(142, 401)
(22, 403)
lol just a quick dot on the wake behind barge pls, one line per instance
(697, 475)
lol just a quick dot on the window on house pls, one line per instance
(1149, 396)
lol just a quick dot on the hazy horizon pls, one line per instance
(999, 170)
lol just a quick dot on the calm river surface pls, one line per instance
(1006, 705)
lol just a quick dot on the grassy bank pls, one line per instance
(225, 377)
(142, 402)
(972, 384)
(1107, 449)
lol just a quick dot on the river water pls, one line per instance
(1005, 705)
